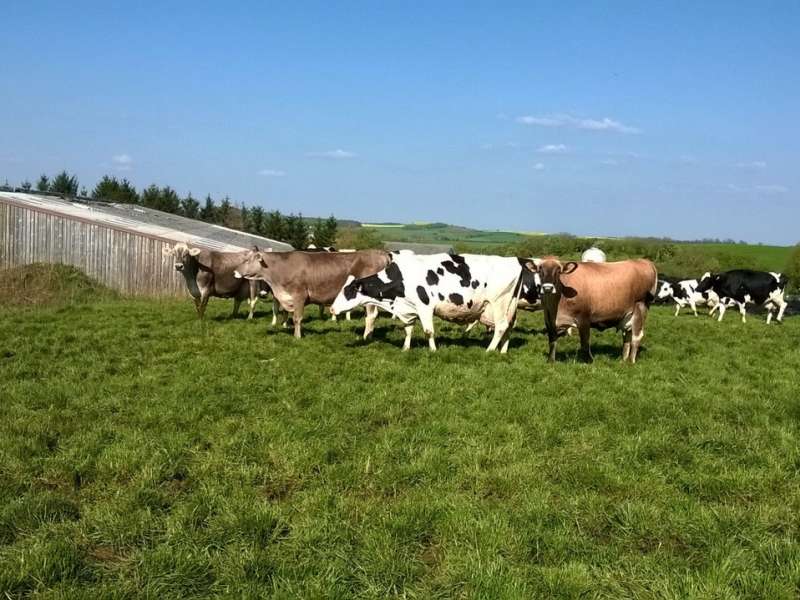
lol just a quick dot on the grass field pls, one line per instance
(145, 454)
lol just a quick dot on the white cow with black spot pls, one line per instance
(458, 288)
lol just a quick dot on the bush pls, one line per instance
(38, 284)
(792, 270)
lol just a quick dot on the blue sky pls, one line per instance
(674, 119)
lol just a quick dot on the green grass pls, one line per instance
(145, 454)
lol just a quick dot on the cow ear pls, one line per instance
(254, 248)
(166, 250)
(260, 258)
(194, 251)
(531, 266)
(569, 267)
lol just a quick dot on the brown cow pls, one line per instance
(600, 295)
(210, 273)
(298, 278)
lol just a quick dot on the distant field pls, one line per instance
(146, 454)
(444, 234)
(728, 256)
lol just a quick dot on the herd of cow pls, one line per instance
(469, 289)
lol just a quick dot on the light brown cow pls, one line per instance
(299, 278)
(599, 295)
(209, 273)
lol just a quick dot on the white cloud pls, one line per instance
(755, 164)
(538, 167)
(552, 149)
(762, 189)
(564, 120)
(337, 154)
(122, 162)
(272, 173)
(612, 162)
(772, 189)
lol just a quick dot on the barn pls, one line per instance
(119, 245)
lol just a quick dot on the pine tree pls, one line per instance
(296, 232)
(190, 207)
(26, 185)
(64, 183)
(169, 201)
(209, 211)
(43, 185)
(151, 197)
(224, 212)
(257, 220)
(274, 226)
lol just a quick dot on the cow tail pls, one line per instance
(783, 281)
(651, 293)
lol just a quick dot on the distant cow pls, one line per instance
(456, 288)
(596, 295)
(299, 278)
(744, 286)
(593, 254)
(684, 293)
(209, 273)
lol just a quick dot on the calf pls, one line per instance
(684, 293)
(209, 273)
(299, 278)
(457, 288)
(596, 295)
(744, 286)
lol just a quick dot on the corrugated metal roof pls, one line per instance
(147, 221)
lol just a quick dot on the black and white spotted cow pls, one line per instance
(457, 288)
(684, 293)
(743, 287)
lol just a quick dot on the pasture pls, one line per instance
(146, 454)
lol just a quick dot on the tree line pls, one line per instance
(292, 229)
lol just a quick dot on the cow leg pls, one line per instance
(507, 336)
(677, 309)
(333, 318)
(252, 297)
(626, 344)
(369, 320)
(781, 310)
(275, 311)
(407, 342)
(770, 310)
(201, 306)
(637, 329)
(426, 320)
(743, 311)
(585, 332)
(722, 308)
(297, 319)
(694, 306)
(347, 315)
(553, 341)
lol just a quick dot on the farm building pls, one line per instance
(120, 245)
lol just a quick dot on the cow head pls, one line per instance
(254, 264)
(665, 291)
(182, 254)
(349, 297)
(550, 270)
(707, 282)
(383, 287)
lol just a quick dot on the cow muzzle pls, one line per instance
(548, 288)
(179, 267)
(238, 275)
